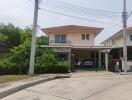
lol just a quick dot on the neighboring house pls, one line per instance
(116, 41)
(78, 41)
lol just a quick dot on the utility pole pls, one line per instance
(124, 19)
(33, 45)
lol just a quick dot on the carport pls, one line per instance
(90, 57)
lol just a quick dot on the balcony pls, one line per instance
(53, 42)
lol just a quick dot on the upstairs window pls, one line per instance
(60, 38)
(113, 42)
(130, 37)
(85, 36)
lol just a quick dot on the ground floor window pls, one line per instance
(62, 56)
(116, 53)
(129, 53)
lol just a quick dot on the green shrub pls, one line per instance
(48, 63)
(62, 67)
(6, 67)
(20, 56)
(18, 62)
(59, 67)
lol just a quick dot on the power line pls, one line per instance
(64, 14)
(78, 11)
(80, 18)
(69, 15)
(129, 15)
(80, 7)
(84, 19)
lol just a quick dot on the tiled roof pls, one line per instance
(119, 33)
(71, 27)
(129, 28)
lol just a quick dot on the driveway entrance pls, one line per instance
(88, 58)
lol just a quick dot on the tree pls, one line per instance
(13, 33)
(47, 58)
(43, 40)
(26, 34)
(3, 38)
(20, 55)
(20, 44)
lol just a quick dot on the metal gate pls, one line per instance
(112, 64)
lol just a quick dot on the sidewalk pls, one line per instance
(12, 87)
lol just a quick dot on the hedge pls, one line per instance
(10, 68)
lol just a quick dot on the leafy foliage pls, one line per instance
(26, 34)
(20, 55)
(18, 61)
(46, 60)
(43, 40)
(13, 34)
(6, 67)
(3, 38)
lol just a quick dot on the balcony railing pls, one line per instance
(67, 42)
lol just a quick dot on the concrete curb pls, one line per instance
(29, 84)
(62, 76)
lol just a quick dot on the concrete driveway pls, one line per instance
(81, 86)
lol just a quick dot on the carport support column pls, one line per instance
(99, 59)
(72, 63)
(69, 57)
(106, 60)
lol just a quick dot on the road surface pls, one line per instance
(81, 86)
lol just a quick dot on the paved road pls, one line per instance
(81, 86)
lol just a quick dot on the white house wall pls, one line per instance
(118, 42)
(128, 42)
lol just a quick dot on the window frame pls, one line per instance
(113, 42)
(61, 40)
(130, 37)
(85, 36)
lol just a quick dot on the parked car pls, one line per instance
(87, 62)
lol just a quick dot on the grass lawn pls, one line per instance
(9, 78)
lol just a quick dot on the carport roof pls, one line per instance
(78, 47)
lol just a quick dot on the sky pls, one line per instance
(20, 13)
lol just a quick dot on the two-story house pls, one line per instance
(116, 41)
(78, 41)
